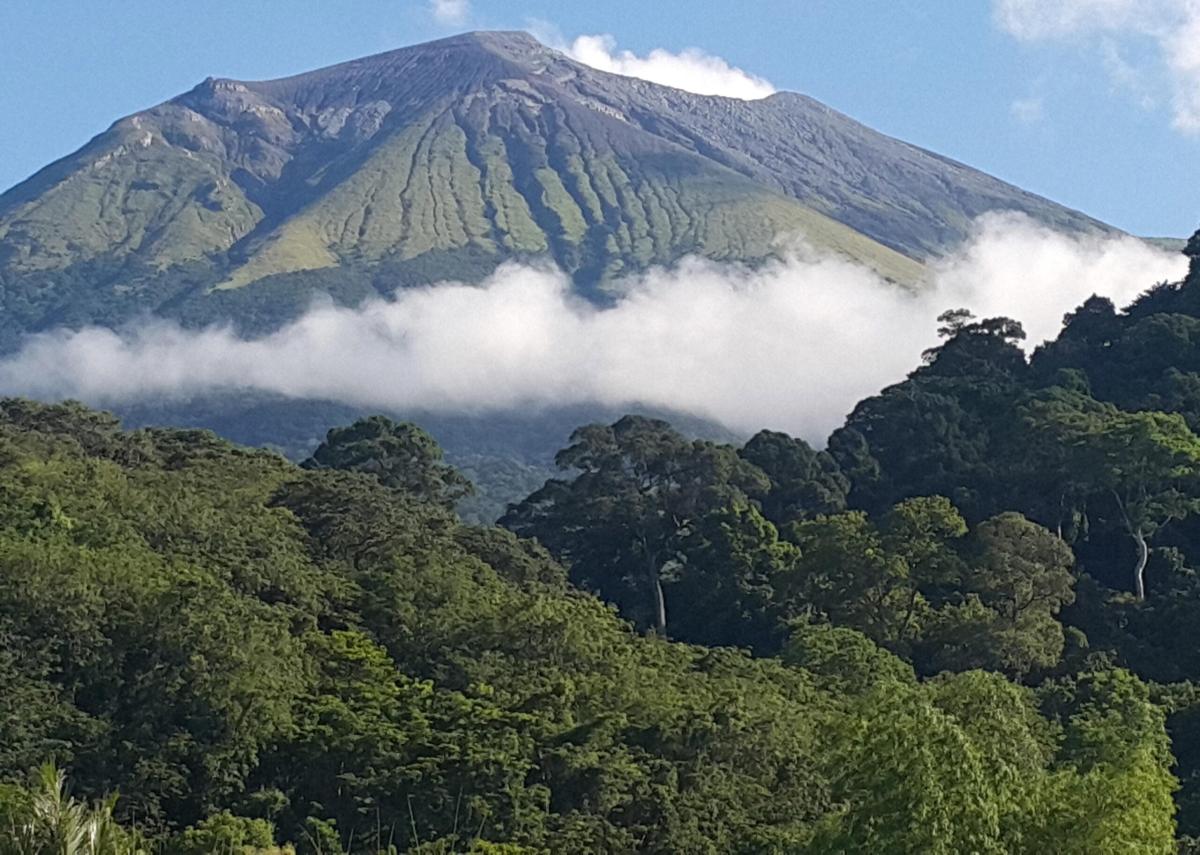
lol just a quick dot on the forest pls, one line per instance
(965, 625)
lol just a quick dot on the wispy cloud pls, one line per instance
(452, 13)
(1039, 19)
(791, 345)
(1171, 28)
(1028, 111)
(691, 69)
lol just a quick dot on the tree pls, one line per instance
(929, 435)
(847, 576)
(843, 657)
(1117, 798)
(1088, 332)
(936, 432)
(1019, 568)
(882, 580)
(1016, 576)
(47, 820)
(401, 455)
(804, 483)
(908, 778)
(975, 348)
(224, 832)
(354, 518)
(640, 489)
(916, 583)
(1192, 251)
(1146, 463)
(724, 583)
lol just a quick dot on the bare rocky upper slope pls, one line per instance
(484, 145)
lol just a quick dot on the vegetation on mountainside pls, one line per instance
(440, 161)
(1079, 464)
(255, 654)
(598, 219)
(965, 626)
(506, 456)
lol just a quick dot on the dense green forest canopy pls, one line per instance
(964, 626)
(255, 654)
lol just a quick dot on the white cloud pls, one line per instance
(1128, 77)
(691, 69)
(1040, 19)
(1028, 111)
(450, 12)
(1170, 27)
(792, 345)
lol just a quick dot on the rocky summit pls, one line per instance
(240, 199)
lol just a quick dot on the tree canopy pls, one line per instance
(964, 626)
(319, 657)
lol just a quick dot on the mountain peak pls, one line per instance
(512, 45)
(456, 62)
(443, 159)
(508, 41)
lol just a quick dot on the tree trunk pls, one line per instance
(660, 604)
(1139, 583)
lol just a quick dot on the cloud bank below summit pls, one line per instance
(792, 345)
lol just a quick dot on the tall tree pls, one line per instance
(1016, 577)
(881, 579)
(724, 589)
(640, 488)
(399, 454)
(804, 482)
(1146, 463)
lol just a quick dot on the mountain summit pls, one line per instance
(446, 158)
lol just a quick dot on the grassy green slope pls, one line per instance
(442, 160)
(129, 193)
(510, 178)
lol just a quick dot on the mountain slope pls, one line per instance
(448, 157)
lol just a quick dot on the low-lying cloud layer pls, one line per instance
(1170, 27)
(793, 345)
(691, 69)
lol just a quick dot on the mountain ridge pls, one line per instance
(443, 159)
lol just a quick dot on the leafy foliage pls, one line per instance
(924, 639)
(401, 456)
(256, 655)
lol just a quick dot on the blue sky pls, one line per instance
(1094, 103)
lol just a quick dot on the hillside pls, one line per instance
(966, 626)
(253, 654)
(507, 455)
(238, 199)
